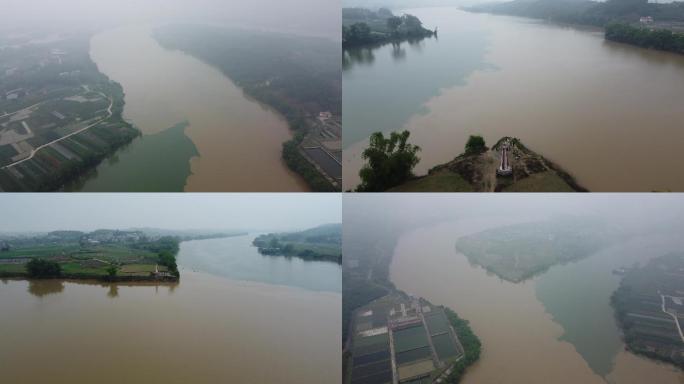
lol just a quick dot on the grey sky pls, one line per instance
(626, 209)
(89, 211)
(309, 17)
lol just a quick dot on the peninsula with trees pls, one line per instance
(322, 243)
(509, 166)
(390, 336)
(104, 254)
(362, 27)
(59, 115)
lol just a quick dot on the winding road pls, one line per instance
(35, 150)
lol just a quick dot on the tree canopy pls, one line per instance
(393, 23)
(475, 144)
(658, 39)
(41, 268)
(389, 162)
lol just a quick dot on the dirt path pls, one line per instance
(489, 165)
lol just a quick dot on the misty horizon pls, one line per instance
(227, 212)
(301, 17)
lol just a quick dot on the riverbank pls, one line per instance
(80, 137)
(562, 332)
(93, 277)
(477, 172)
(557, 88)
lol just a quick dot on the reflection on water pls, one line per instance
(40, 288)
(113, 291)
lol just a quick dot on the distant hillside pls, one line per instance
(322, 243)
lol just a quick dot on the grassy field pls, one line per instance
(548, 181)
(87, 261)
(440, 181)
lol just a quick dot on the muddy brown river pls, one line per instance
(521, 340)
(206, 329)
(238, 139)
(612, 115)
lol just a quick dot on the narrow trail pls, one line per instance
(35, 150)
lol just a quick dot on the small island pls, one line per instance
(649, 308)
(323, 243)
(518, 252)
(104, 255)
(362, 27)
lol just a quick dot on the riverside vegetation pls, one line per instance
(108, 255)
(390, 162)
(323, 243)
(366, 27)
(620, 18)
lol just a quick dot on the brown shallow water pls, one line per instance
(239, 140)
(520, 339)
(204, 330)
(612, 115)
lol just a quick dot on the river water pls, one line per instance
(557, 327)
(236, 258)
(164, 88)
(610, 114)
(206, 329)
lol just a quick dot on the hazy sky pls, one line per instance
(402, 4)
(626, 209)
(89, 211)
(310, 17)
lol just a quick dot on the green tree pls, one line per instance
(359, 33)
(389, 161)
(168, 260)
(41, 268)
(412, 23)
(288, 249)
(393, 23)
(111, 271)
(475, 144)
